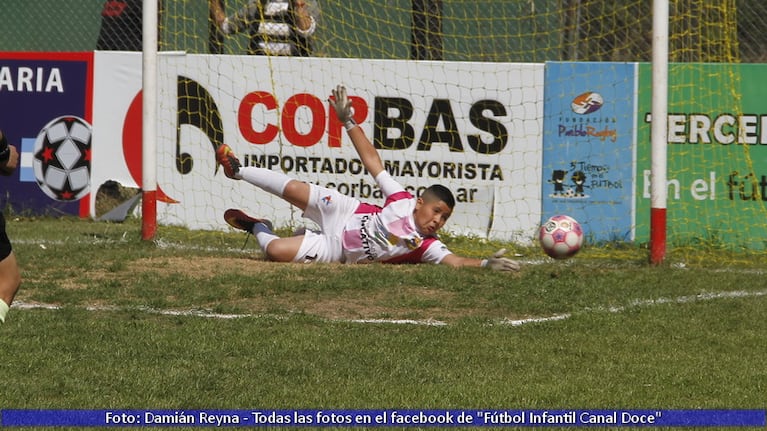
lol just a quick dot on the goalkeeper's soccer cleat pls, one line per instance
(226, 158)
(239, 220)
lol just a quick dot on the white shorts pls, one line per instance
(330, 210)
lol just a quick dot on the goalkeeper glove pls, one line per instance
(500, 263)
(343, 106)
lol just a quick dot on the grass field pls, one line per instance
(194, 321)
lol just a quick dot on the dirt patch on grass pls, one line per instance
(396, 302)
(200, 267)
(243, 285)
(208, 267)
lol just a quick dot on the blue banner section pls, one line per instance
(385, 418)
(588, 147)
(37, 88)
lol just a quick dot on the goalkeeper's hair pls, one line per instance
(441, 193)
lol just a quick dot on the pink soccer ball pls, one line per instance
(561, 236)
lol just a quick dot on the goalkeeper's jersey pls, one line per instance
(388, 234)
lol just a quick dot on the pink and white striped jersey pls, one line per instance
(388, 234)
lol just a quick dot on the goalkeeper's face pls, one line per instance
(430, 215)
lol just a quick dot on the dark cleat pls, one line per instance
(239, 220)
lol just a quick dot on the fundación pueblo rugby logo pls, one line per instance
(587, 103)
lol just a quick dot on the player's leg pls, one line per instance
(10, 276)
(307, 197)
(283, 249)
(276, 248)
(277, 183)
(326, 207)
(293, 191)
(297, 193)
(10, 280)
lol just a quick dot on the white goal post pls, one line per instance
(149, 119)
(659, 131)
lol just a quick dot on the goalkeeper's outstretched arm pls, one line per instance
(365, 149)
(496, 262)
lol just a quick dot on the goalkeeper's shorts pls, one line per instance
(330, 210)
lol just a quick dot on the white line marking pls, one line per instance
(520, 322)
(427, 322)
(194, 313)
(683, 299)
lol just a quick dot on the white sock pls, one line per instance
(3, 310)
(272, 181)
(263, 235)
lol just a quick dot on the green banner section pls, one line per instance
(717, 155)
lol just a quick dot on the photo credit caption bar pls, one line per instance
(384, 418)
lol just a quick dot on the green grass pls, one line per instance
(637, 336)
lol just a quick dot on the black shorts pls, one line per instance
(5, 242)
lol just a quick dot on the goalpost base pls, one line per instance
(657, 235)
(148, 214)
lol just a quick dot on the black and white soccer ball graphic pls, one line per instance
(62, 158)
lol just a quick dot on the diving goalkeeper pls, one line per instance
(404, 230)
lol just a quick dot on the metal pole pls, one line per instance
(659, 132)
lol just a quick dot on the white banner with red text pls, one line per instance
(473, 127)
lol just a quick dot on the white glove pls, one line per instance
(500, 263)
(343, 106)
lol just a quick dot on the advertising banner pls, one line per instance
(474, 128)
(717, 154)
(588, 147)
(45, 112)
(117, 122)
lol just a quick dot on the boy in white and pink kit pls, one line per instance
(402, 231)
